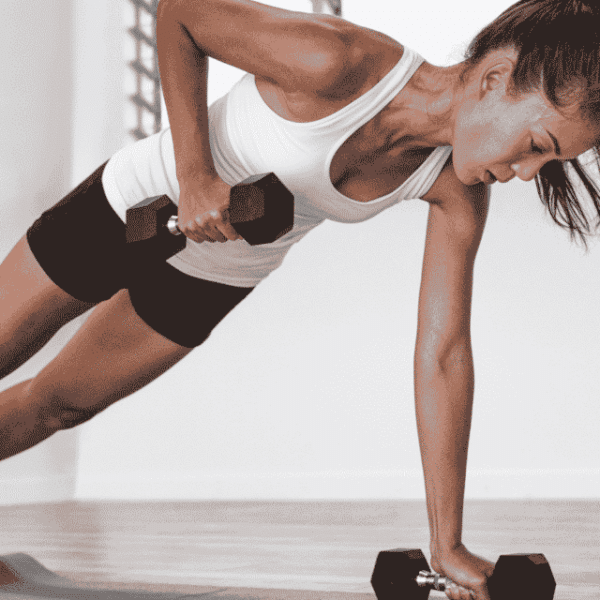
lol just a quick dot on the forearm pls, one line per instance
(444, 403)
(183, 70)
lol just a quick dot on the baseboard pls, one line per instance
(37, 490)
(342, 485)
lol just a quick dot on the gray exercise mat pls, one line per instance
(21, 577)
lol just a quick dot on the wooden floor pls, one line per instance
(318, 546)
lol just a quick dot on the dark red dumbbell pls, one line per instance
(261, 210)
(405, 575)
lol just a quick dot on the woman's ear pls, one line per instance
(496, 71)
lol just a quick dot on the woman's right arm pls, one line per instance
(183, 70)
(297, 51)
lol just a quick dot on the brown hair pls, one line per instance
(558, 42)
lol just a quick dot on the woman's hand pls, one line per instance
(469, 573)
(203, 214)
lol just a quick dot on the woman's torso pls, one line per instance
(253, 131)
(367, 166)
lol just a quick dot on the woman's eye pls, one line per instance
(535, 149)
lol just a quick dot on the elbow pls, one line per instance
(445, 357)
(163, 9)
(167, 8)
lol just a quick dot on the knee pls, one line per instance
(70, 417)
(58, 411)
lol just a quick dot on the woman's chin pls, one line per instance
(468, 179)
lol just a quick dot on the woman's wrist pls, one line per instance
(205, 176)
(441, 553)
(440, 547)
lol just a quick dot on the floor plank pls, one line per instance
(319, 546)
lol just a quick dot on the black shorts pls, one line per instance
(80, 244)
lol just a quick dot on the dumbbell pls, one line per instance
(261, 210)
(405, 575)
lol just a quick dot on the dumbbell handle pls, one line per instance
(433, 580)
(173, 225)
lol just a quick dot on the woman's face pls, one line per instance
(502, 137)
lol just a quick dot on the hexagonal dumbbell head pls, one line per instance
(261, 209)
(395, 573)
(522, 577)
(146, 234)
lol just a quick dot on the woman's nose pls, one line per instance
(525, 173)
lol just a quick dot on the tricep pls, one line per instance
(292, 49)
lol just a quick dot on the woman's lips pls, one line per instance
(489, 178)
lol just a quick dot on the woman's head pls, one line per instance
(536, 69)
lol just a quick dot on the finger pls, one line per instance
(216, 235)
(198, 238)
(192, 232)
(215, 224)
(482, 594)
(227, 230)
(452, 593)
(216, 231)
(224, 227)
(456, 592)
(209, 229)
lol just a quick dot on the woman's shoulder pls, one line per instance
(373, 57)
(370, 42)
(452, 195)
(379, 54)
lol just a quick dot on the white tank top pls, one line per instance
(247, 138)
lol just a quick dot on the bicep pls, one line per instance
(454, 232)
(295, 50)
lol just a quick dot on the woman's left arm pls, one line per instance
(444, 374)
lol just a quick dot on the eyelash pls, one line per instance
(535, 149)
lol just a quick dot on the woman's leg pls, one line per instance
(147, 319)
(113, 355)
(70, 260)
(32, 308)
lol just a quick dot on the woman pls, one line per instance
(352, 122)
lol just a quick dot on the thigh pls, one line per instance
(113, 355)
(32, 307)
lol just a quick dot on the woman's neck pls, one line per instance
(424, 112)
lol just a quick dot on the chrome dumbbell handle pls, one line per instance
(433, 580)
(172, 225)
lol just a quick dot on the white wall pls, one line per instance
(35, 164)
(306, 390)
(61, 112)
